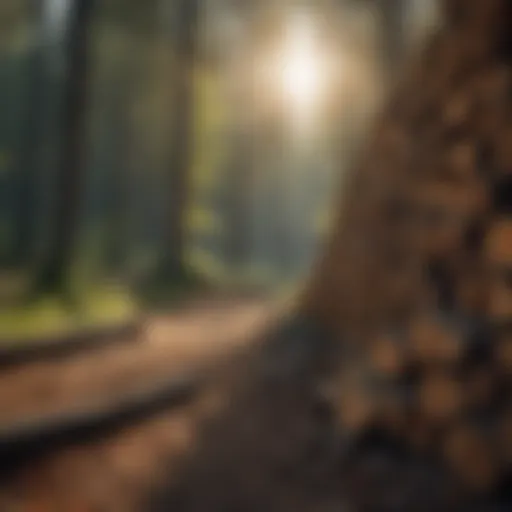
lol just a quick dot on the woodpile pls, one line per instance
(433, 193)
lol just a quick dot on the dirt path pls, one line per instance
(120, 472)
(271, 446)
(111, 475)
(170, 345)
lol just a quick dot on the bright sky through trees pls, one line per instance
(300, 69)
(303, 74)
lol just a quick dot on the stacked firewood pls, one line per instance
(418, 280)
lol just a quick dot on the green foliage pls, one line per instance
(259, 274)
(49, 316)
(210, 125)
(105, 305)
(42, 317)
(206, 265)
(129, 144)
(204, 222)
(88, 260)
(215, 271)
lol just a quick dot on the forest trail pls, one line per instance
(129, 468)
(175, 344)
(267, 444)
(115, 473)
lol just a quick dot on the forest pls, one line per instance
(146, 148)
(255, 255)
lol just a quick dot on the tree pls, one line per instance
(119, 180)
(406, 279)
(182, 24)
(238, 201)
(31, 155)
(53, 272)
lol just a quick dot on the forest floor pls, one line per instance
(28, 321)
(116, 472)
(126, 469)
(170, 345)
(258, 437)
(272, 450)
(112, 474)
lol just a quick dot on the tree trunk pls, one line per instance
(238, 202)
(422, 246)
(31, 155)
(184, 41)
(119, 181)
(53, 273)
(439, 96)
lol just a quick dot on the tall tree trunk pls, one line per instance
(31, 155)
(238, 202)
(414, 278)
(184, 44)
(119, 181)
(53, 273)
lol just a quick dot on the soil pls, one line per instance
(171, 344)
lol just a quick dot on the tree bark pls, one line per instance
(31, 152)
(421, 246)
(239, 202)
(53, 273)
(119, 181)
(184, 41)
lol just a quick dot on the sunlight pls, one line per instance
(302, 75)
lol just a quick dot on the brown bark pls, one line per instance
(431, 201)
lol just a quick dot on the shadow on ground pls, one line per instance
(274, 445)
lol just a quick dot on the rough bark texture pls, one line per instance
(415, 282)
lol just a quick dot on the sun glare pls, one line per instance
(300, 67)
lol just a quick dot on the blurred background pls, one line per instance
(168, 172)
(149, 150)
